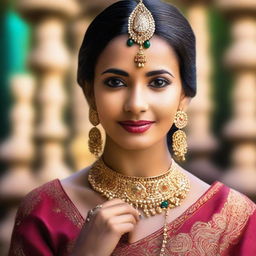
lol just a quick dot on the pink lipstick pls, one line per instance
(136, 126)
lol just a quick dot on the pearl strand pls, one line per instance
(164, 242)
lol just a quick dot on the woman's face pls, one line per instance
(125, 94)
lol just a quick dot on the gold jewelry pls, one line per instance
(150, 194)
(93, 117)
(165, 234)
(141, 27)
(179, 142)
(92, 212)
(95, 139)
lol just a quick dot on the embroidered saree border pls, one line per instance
(214, 237)
(211, 238)
(174, 225)
(62, 202)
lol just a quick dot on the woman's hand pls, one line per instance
(101, 234)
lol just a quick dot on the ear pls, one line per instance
(184, 102)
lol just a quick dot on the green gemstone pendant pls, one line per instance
(146, 44)
(164, 204)
(130, 42)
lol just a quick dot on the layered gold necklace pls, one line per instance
(152, 195)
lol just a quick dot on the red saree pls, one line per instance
(221, 222)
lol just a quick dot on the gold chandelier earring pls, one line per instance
(179, 142)
(95, 139)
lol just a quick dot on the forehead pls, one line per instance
(117, 54)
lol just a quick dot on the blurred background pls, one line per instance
(44, 124)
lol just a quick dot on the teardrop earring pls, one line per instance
(95, 139)
(179, 142)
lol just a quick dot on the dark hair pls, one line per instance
(171, 25)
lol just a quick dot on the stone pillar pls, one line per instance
(50, 59)
(201, 142)
(241, 129)
(6, 227)
(18, 150)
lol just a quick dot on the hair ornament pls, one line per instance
(141, 27)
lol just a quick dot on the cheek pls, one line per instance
(168, 104)
(108, 104)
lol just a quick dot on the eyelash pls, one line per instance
(106, 82)
(166, 81)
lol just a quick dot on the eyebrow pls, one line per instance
(148, 74)
(116, 71)
(159, 72)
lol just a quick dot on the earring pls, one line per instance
(179, 142)
(95, 139)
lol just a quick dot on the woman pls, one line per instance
(137, 71)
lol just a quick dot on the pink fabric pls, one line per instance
(222, 222)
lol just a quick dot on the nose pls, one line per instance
(136, 100)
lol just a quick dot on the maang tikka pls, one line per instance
(95, 139)
(141, 27)
(179, 142)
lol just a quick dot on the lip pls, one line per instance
(136, 126)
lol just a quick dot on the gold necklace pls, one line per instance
(152, 195)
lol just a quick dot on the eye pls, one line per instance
(114, 82)
(159, 83)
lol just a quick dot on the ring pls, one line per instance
(92, 211)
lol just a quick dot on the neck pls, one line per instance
(152, 161)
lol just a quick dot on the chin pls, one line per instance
(135, 144)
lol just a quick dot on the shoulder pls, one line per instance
(224, 202)
(197, 187)
(234, 216)
(47, 203)
(77, 179)
(238, 205)
(237, 221)
(40, 195)
(46, 222)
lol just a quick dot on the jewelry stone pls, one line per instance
(164, 204)
(130, 42)
(141, 27)
(146, 44)
(145, 193)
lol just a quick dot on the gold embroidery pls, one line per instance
(62, 204)
(214, 237)
(17, 250)
(191, 210)
(29, 203)
(152, 241)
(57, 210)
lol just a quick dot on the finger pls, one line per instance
(113, 202)
(123, 228)
(123, 219)
(120, 209)
(106, 204)
(116, 201)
